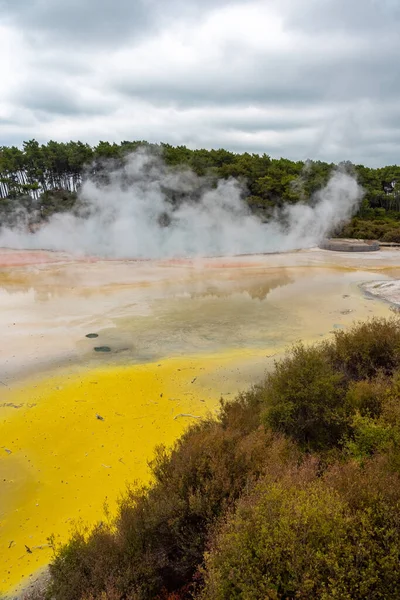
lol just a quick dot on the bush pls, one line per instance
(305, 398)
(375, 228)
(308, 537)
(369, 395)
(85, 565)
(369, 436)
(392, 236)
(368, 349)
(315, 391)
(372, 429)
(57, 200)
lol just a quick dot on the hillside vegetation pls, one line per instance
(40, 180)
(293, 492)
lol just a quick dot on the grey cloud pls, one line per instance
(8, 122)
(268, 80)
(357, 16)
(51, 99)
(262, 79)
(98, 22)
(230, 94)
(340, 60)
(262, 124)
(51, 102)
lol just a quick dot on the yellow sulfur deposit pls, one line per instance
(71, 442)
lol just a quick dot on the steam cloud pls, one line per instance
(130, 215)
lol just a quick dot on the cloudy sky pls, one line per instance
(293, 78)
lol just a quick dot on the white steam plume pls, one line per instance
(131, 216)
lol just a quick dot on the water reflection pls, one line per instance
(149, 311)
(268, 310)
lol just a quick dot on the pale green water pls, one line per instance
(147, 310)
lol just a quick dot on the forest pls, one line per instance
(45, 179)
(292, 492)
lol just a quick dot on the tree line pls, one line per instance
(50, 175)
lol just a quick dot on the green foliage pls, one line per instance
(56, 201)
(367, 396)
(314, 391)
(309, 537)
(368, 349)
(374, 228)
(281, 543)
(86, 565)
(392, 236)
(305, 398)
(370, 436)
(270, 183)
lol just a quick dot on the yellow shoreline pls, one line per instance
(65, 462)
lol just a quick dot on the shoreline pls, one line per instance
(387, 291)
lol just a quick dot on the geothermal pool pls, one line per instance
(80, 416)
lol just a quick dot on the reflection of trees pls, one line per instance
(11, 289)
(46, 288)
(262, 290)
(39, 295)
(257, 288)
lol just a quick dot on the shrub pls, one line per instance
(391, 405)
(305, 398)
(392, 236)
(302, 538)
(369, 436)
(368, 396)
(375, 228)
(84, 565)
(314, 391)
(57, 200)
(368, 349)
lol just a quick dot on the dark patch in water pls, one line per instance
(102, 349)
(92, 335)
